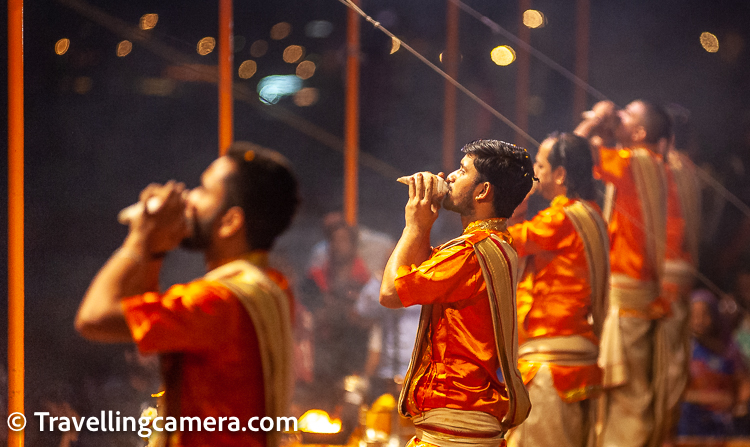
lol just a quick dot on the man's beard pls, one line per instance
(461, 205)
(200, 239)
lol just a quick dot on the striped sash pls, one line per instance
(593, 231)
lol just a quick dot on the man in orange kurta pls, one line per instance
(557, 334)
(463, 385)
(224, 339)
(637, 229)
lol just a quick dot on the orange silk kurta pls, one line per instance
(626, 237)
(460, 367)
(222, 374)
(554, 298)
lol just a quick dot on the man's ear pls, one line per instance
(483, 192)
(639, 134)
(559, 174)
(232, 221)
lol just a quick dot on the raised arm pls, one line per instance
(413, 248)
(134, 268)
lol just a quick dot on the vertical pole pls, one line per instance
(583, 16)
(351, 121)
(522, 81)
(226, 58)
(450, 60)
(16, 366)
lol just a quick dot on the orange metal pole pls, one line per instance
(522, 80)
(351, 120)
(226, 59)
(16, 367)
(450, 58)
(583, 16)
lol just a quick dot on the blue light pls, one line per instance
(272, 88)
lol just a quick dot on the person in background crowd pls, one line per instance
(719, 385)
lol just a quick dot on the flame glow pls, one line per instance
(318, 421)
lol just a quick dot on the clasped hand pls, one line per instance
(423, 206)
(162, 230)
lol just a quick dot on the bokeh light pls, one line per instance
(259, 48)
(148, 21)
(293, 53)
(318, 29)
(280, 31)
(305, 69)
(395, 44)
(503, 55)
(206, 45)
(61, 46)
(709, 42)
(272, 88)
(533, 18)
(306, 97)
(124, 48)
(247, 69)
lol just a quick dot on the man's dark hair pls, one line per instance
(573, 153)
(656, 121)
(507, 167)
(266, 190)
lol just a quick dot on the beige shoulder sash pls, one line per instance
(499, 263)
(268, 307)
(650, 184)
(593, 231)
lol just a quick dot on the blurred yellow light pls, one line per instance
(533, 18)
(148, 21)
(280, 31)
(318, 421)
(206, 45)
(248, 69)
(305, 69)
(306, 97)
(258, 48)
(124, 48)
(709, 42)
(395, 45)
(503, 55)
(82, 85)
(62, 45)
(293, 53)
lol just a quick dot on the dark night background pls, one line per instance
(90, 152)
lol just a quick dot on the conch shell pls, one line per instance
(442, 186)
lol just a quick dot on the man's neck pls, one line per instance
(475, 216)
(219, 256)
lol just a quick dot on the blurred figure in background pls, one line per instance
(636, 213)
(561, 298)
(330, 292)
(719, 382)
